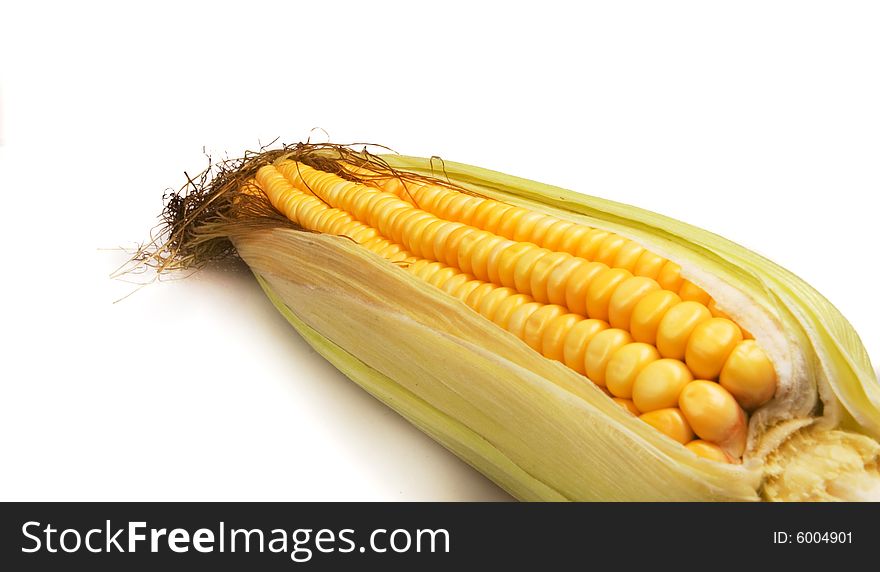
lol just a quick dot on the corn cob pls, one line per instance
(575, 342)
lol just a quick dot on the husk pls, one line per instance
(528, 423)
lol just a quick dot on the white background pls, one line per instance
(758, 120)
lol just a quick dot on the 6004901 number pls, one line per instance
(815, 537)
(823, 538)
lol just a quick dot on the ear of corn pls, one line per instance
(483, 317)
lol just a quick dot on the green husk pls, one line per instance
(528, 423)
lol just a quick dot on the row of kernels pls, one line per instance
(519, 224)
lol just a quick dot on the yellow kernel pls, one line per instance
(553, 340)
(591, 244)
(456, 282)
(307, 211)
(647, 314)
(525, 264)
(489, 303)
(400, 257)
(508, 259)
(466, 246)
(676, 327)
(609, 248)
(425, 238)
(572, 237)
(507, 222)
(526, 226)
(440, 247)
(557, 282)
(555, 233)
(599, 352)
(625, 365)
(464, 291)
(628, 255)
(493, 263)
(714, 415)
(428, 271)
(477, 295)
(710, 344)
(442, 276)
(325, 219)
(480, 254)
(533, 332)
(659, 384)
(577, 285)
(336, 221)
(484, 255)
(411, 191)
(384, 207)
(389, 185)
(541, 273)
(749, 375)
(468, 207)
(455, 206)
(669, 277)
(692, 292)
(364, 234)
(453, 245)
(629, 293)
(670, 422)
(709, 451)
(441, 205)
(348, 228)
(488, 209)
(716, 311)
(649, 265)
(406, 224)
(394, 223)
(507, 307)
(601, 289)
(577, 340)
(427, 195)
(388, 250)
(491, 217)
(540, 229)
(416, 268)
(516, 325)
(360, 208)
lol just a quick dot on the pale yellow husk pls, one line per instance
(537, 428)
